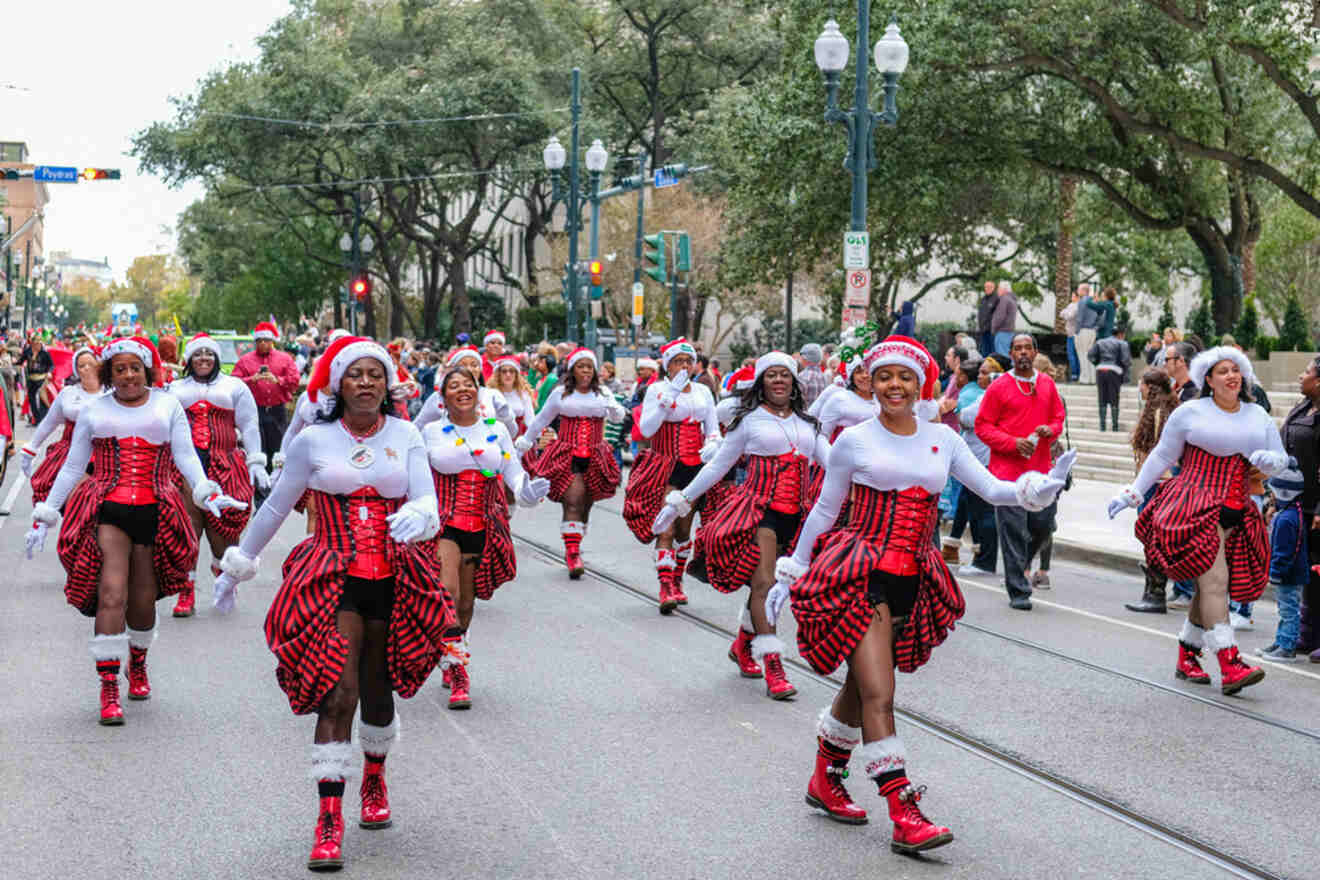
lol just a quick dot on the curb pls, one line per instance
(1119, 560)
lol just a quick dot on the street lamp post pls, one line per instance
(555, 156)
(597, 158)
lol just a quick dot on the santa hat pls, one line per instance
(846, 369)
(903, 351)
(1204, 362)
(337, 334)
(674, 348)
(93, 350)
(580, 353)
(323, 386)
(266, 330)
(466, 351)
(647, 364)
(507, 360)
(493, 336)
(142, 347)
(775, 359)
(200, 342)
(739, 380)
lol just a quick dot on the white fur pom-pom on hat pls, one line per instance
(904, 351)
(1204, 362)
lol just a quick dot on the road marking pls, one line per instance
(12, 497)
(1286, 667)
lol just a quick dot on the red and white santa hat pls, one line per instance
(200, 342)
(142, 347)
(847, 368)
(1204, 362)
(673, 348)
(493, 336)
(465, 351)
(904, 351)
(266, 330)
(740, 379)
(581, 353)
(774, 359)
(507, 360)
(647, 364)
(337, 334)
(323, 386)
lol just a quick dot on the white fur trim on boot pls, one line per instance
(1219, 637)
(766, 644)
(377, 740)
(835, 732)
(238, 564)
(882, 756)
(665, 559)
(141, 638)
(569, 527)
(683, 549)
(333, 760)
(1192, 634)
(109, 647)
(745, 620)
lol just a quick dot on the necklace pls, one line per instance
(1017, 383)
(361, 455)
(473, 452)
(793, 443)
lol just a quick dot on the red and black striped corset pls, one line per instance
(834, 435)
(213, 427)
(778, 478)
(681, 440)
(1224, 477)
(468, 511)
(899, 522)
(136, 467)
(354, 525)
(583, 434)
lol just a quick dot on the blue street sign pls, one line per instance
(55, 174)
(665, 177)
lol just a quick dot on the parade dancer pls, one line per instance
(760, 519)
(219, 407)
(579, 464)
(492, 351)
(876, 593)
(678, 417)
(64, 411)
(507, 378)
(362, 611)
(126, 540)
(1201, 524)
(851, 403)
(490, 403)
(473, 461)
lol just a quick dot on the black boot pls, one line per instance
(1152, 598)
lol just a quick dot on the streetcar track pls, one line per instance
(1071, 789)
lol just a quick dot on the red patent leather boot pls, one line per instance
(572, 533)
(446, 676)
(1189, 665)
(375, 796)
(825, 791)
(459, 697)
(186, 605)
(682, 553)
(913, 832)
(740, 652)
(328, 842)
(665, 564)
(767, 648)
(111, 712)
(139, 688)
(1234, 674)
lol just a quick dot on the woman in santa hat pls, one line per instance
(63, 412)
(678, 417)
(851, 404)
(760, 520)
(219, 408)
(473, 461)
(126, 540)
(490, 403)
(579, 464)
(876, 594)
(507, 378)
(362, 612)
(1201, 525)
(492, 349)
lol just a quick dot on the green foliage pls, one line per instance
(1295, 331)
(769, 334)
(931, 332)
(541, 323)
(488, 311)
(1166, 316)
(1248, 326)
(1288, 259)
(1201, 321)
(1265, 345)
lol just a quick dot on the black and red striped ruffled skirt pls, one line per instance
(301, 625)
(43, 478)
(498, 564)
(1179, 526)
(555, 462)
(727, 538)
(645, 494)
(830, 601)
(226, 464)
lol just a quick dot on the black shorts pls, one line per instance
(897, 591)
(784, 525)
(682, 474)
(469, 543)
(581, 465)
(372, 600)
(205, 456)
(139, 521)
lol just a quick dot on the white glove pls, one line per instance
(239, 565)
(224, 593)
(260, 479)
(788, 569)
(664, 519)
(25, 459)
(710, 447)
(36, 538)
(532, 491)
(1127, 497)
(207, 494)
(523, 444)
(1267, 462)
(407, 524)
(774, 602)
(1063, 467)
(1037, 491)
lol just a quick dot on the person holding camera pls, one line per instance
(272, 377)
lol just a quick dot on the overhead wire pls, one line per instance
(306, 123)
(331, 184)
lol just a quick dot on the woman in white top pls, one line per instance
(361, 610)
(876, 594)
(472, 462)
(1201, 524)
(579, 463)
(126, 540)
(63, 412)
(506, 377)
(490, 403)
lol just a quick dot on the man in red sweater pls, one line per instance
(1021, 414)
(272, 377)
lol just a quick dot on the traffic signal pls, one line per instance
(10, 173)
(655, 255)
(100, 174)
(360, 288)
(683, 258)
(596, 270)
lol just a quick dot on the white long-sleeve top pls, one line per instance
(843, 411)
(319, 458)
(1202, 423)
(478, 451)
(819, 403)
(520, 405)
(695, 403)
(65, 408)
(224, 392)
(491, 404)
(726, 409)
(304, 414)
(575, 405)
(869, 454)
(159, 421)
(761, 432)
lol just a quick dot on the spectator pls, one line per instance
(608, 379)
(985, 310)
(1004, 319)
(1176, 359)
(980, 516)
(704, 377)
(1159, 402)
(543, 376)
(715, 373)
(1069, 315)
(1154, 349)
(39, 365)
(1289, 565)
(1113, 360)
(906, 319)
(1106, 309)
(272, 377)
(811, 377)
(1021, 414)
(1301, 439)
(1087, 321)
(953, 359)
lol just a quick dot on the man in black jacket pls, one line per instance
(985, 312)
(1113, 360)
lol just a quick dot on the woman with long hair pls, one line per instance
(507, 378)
(678, 417)
(491, 404)
(126, 540)
(63, 412)
(1156, 390)
(219, 408)
(578, 464)
(876, 594)
(1201, 524)
(760, 520)
(473, 461)
(362, 612)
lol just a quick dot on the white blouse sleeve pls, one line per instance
(838, 483)
(296, 424)
(820, 448)
(421, 488)
(710, 424)
(430, 411)
(964, 467)
(245, 416)
(548, 414)
(181, 446)
(285, 493)
(54, 418)
(512, 470)
(715, 469)
(75, 464)
(1167, 452)
(653, 416)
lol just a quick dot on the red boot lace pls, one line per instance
(909, 797)
(137, 462)
(836, 773)
(373, 790)
(325, 828)
(774, 667)
(109, 690)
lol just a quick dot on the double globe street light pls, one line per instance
(596, 158)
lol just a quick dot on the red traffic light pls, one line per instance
(361, 287)
(100, 174)
(596, 268)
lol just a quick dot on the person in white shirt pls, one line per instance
(490, 403)
(506, 377)
(63, 413)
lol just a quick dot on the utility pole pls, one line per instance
(355, 259)
(574, 208)
(637, 247)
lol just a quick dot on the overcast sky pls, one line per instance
(78, 78)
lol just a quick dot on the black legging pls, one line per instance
(272, 421)
(1108, 383)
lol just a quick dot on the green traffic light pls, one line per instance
(655, 255)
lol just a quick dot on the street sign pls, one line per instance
(856, 250)
(664, 176)
(55, 174)
(858, 292)
(639, 303)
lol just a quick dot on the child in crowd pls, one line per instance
(1288, 561)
